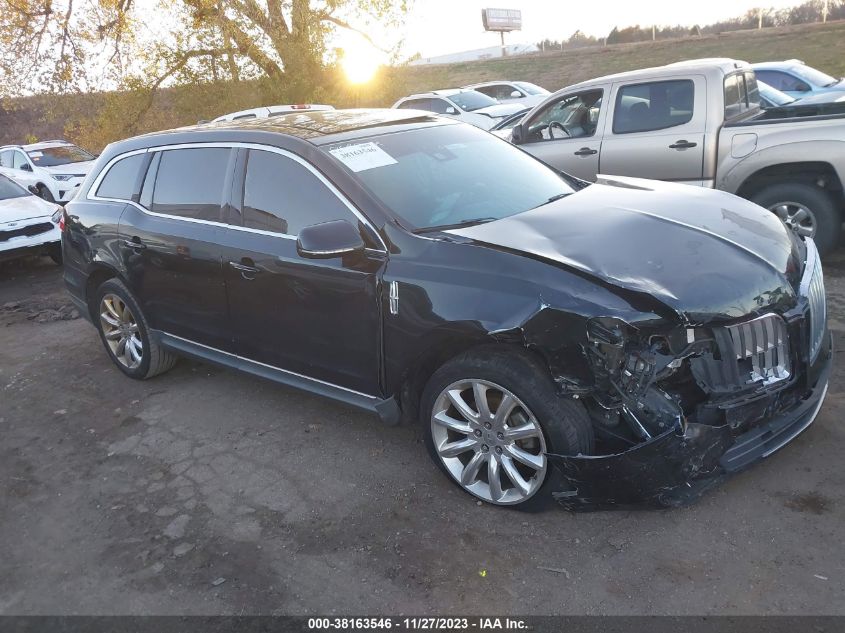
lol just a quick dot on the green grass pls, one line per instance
(818, 45)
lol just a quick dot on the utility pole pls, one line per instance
(825, 9)
(759, 18)
(653, 33)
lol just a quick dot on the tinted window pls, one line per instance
(190, 183)
(440, 106)
(146, 199)
(450, 174)
(502, 92)
(470, 100)
(573, 116)
(121, 179)
(653, 106)
(282, 196)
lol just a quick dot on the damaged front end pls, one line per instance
(676, 411)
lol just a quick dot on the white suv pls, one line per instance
(468, 106)
(52, 169)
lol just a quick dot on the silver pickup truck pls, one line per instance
(697, 122)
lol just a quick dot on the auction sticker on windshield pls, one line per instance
(363, 156)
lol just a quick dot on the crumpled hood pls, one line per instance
(25, 208)
(500, 110)
(705, 254)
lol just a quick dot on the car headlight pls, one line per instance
(62, 177)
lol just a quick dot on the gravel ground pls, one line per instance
(205, 491)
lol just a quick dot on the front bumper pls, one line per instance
(677, 467)
(26, 245)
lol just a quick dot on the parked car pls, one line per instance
(797, 79)
(27, 226)
(269, 111)
(698, 124)
(521, 92)
(468, 106)
(813, 105)
(625, 342)
(54, 168)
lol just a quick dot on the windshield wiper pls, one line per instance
(456, 225)
(553, 199)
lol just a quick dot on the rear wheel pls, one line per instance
(490, 418)
(806, 209)
(125, 335)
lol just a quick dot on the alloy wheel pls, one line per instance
(489, 441)
(796, 216)
(120, 330)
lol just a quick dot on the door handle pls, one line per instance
(683, 144)
(586, 151)
(135, 244)
(246, 270)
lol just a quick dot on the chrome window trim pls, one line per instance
(236, 145)
(273, 367)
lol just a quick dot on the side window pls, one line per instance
(734, 103)
(782, 81)
(146, 198)
(244, 116)
(573, 116)
(415, 104)
(19, 161)
(6, 158)
(189, 182)
(283, 196)
(441, 107)
(503, 92)
(121, 180)
(490, 91)
(653, 106)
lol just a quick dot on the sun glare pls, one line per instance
(360, 63)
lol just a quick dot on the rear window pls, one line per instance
(741, 94)
(122, 178)
(189, 183)
(9, 189)
(651, 106)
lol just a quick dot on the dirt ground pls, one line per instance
(204, 491)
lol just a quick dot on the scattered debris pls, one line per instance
(182, 549)
(218, 581)
(820, 577)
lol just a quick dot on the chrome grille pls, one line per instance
(761, 348)
(812, 287)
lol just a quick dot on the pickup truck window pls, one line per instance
(741, 94)
(573, 116)
(655, 105)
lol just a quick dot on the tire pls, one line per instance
(826, 217)
(154, 359)
(564, 426)
(44, 192)
(55, 253)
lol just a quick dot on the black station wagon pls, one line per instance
(621, 343)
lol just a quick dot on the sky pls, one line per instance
(437, 27)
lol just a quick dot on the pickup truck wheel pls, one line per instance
(806, 209)
(125, 335)
(489, 419)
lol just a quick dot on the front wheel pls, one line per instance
(44, 192)
(490, 418)
(806, 209)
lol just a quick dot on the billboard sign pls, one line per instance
(502, 20)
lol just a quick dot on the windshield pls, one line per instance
(59, 155)
(470, 100)
(9, 189)
(813, 76)
(530, 88)
(449, 175)
(773, 95)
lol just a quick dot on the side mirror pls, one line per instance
(34, 190)
(26, 167)
(517, 134)
(329, 239)
(451, 110)
(516, 94)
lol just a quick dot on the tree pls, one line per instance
(83, 45)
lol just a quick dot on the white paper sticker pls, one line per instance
(363, 156)
(36, 154)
